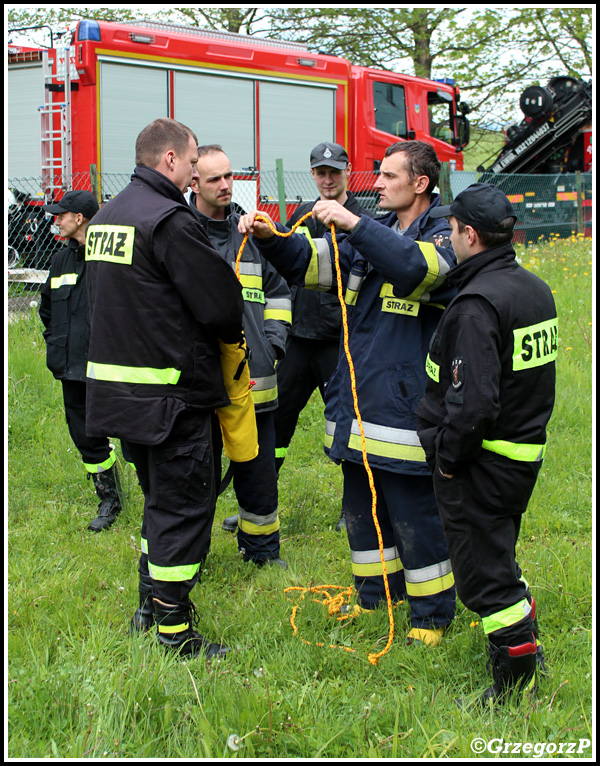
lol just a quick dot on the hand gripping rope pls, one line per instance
(334, 602)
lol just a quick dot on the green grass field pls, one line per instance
(78, 686)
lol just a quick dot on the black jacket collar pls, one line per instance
(492, 259)
(158, 182)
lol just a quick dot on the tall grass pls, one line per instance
(79, 686)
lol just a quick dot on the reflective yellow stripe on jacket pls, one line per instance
(319, 274)
(118, 373)
(437, 268)
(396, 443)
(252, 282)
(63, 279)
(265, 389)
(279, 309)
(528, 453)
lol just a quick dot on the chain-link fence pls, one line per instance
(546, 206)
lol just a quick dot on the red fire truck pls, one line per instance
(265, 102)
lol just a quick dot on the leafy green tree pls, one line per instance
(492, 53)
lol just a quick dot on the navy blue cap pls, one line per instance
(481, 206)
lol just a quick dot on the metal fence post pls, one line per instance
(281, 191)
(579, 188)
(94, 180)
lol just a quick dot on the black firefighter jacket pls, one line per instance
(267, 303)
(491, 378)
(64, 313)
(160, 298)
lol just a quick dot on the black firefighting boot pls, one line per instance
(513, 669)
(230, 524)
(175, 631)
(143, 619)
(108, 489)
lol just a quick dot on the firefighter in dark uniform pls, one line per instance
(64, 313)
(313, 346)
(393, 276)
(161, 300)
(482, 423)
(267, 319)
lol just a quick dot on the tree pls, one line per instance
(227, 18)
(492, 53)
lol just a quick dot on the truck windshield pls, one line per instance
(390, 108)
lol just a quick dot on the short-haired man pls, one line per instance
(313, 345)
(64, 313)
(393, 279)
(161, 300)
(267, 317)
(482, 423)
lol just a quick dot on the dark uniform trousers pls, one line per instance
(178, 481)
(255, 486)
(482, 539)
(417, 561)
(307, 365)
(94, 450)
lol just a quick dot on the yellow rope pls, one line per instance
(334, 602)
(273, 229)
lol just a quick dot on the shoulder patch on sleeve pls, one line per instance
(442, 240)
(458, 373)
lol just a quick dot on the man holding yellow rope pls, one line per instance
(393, 273)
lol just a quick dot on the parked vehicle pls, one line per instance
(553, 139)
(31, 234)
(262, 100)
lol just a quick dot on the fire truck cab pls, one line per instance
(262, 100)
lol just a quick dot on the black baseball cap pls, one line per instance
(75, 202)
(332, 155)
(481, 206)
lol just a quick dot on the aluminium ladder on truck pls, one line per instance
(56, 138)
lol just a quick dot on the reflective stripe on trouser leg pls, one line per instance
(408, 514)
(95, 451)
(255, 485)
(179, 487)
(506, 618)
(103, 466)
